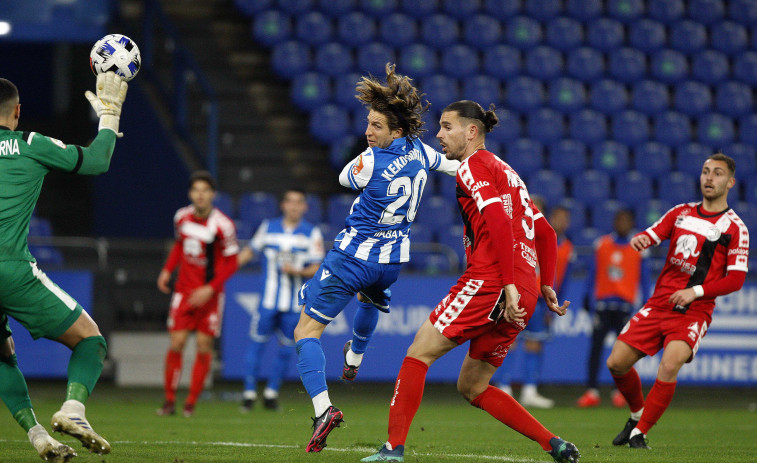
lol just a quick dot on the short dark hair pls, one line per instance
(294, 189)
(8, 96)
(472, 110)
(719, 156)
(202, 176)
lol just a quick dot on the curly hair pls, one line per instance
(398, 101)
(468, 109)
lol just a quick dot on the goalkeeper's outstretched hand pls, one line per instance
(111, 93)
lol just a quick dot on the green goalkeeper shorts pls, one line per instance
(30, 297)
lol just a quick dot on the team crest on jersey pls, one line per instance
(713, 234)
(57, 142)
(687, 246)
(358, 166)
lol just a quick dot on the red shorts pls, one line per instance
(205, 319)
(469, 312)
(651, 329)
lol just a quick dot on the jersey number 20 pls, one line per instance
(407, 189)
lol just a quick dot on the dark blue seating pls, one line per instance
(672, 128)
(249, 7)
(338, 208)
(290, 58)
(372, 58)
(329, 122)
(652, 158)
(747, 212)
(418, 60)
(577, 209)
(669, 66)
(525, 155)
(452, 237)
(256, 206)
(545, 125)
(586, 64)
(419, 9)
(356, 29)
(502, 61)
(688, 36)
(692, 98)
(271, 27)
(647, 35)
(649, 97)
(611, 157)
(605, 34)
(633, 187)
(666, 12)
(630, 127)
(341, 150)
(584, 10)
(523, 32)
(745, 157)
(728, 37)
(398, 30)
(482, 31)
(359, 123)
(706, 11)
(334, 59)
(647, 213)
(440, 31)
(336, 8)
(743, 11)
(437, 213)
(314, 213)
(603, 214)
(314, 28)
(310, 90)
(296, 7)
(745, 67)
(626, 11)
(483, 89)
(543, 10)
(627, 64)
(244, 231)
(710, 67)
(715, 130)
(564, 33)
(547, 184)
(544, 63)
(501, 10)
(41, 227)
(46, 254)
(380, 9)
(524, 94)
(567, 95)
(750, 188)
(748, 129)
(460, 61)
(344, 91)
(508, 129)
(591, 187)
(608, 96)
(461, 9)
(734, 99)
(567, 157)
(586, 237)
(445, 186)
(588, 127)
(677, 187)
(690, 157)
(440, 89)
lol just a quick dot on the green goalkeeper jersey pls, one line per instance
(25, 159)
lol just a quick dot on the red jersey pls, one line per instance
(484, 179)
(704, 247)
(205, 249)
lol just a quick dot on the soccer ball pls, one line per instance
(117, 53)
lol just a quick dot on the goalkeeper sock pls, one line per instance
(14, 392)
(172, 374)
(85, 367)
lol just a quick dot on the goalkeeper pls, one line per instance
(26, 293)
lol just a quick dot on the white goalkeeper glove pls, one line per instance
(111, 93)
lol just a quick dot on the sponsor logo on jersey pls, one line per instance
(57, 142)
(500, 351)
(507, 201)
(527, 253)
(687, 246)
(358, 166)
(9, 147)
(479, 185)
(325, 274)
(739, 251)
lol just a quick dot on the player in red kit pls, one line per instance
(707, 257)
(205, 253)
(505, 237)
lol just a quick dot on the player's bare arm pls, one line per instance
(640, 242)
(244, 256)
(683, 297)
(200, 296)
(163, 279)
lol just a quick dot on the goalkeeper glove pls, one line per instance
(111, 93)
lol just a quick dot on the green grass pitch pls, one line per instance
(702, 425)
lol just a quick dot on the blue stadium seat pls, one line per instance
(653, 158)
(608, 96)
(256, 206)
(750, 189)
(251, 7)
(398, 30)
(329, 122)
(564, 33)
(728, 37)
(523, 32)
(630, 127)
(338, 208)
(650, 211)
(586, 64)
(437, 213)
(334, 59)
(452, 237)
(344, 91)
(567, 95)
(445, 186)
(244, 231)
(359, 123)
(677, 187)
(577, 209)
(545, 125)
(524, 94)
(372, 58)
(672, 128)
(611, 157)
(271, 27)
(46, 255)
(748, 129)
(310, 90)
(314, 214)
(586, 237)
(692, 98)
(745, 157)
(40, 226)
(440, 89)
(747, 212)
(341, 150)
(734, 99)
(432, 128)
(544, 63)
(314, 28)
(336, 8)
(290, 58)
(588, 126)
(690, 157)
(584, 10)
(482, 31)
(647, 35)
(547, 184)
(626, 11)
(483, 89)
(649, 97)
(567, 157)
(605, 34)
(627, 64)
(603, 214)
(669, 66)
(356, 29)
(688, 36)
(508, 129)
(419, 9)
(380, 9)
(715, 130)
(502, 61)
(543, 10)
(666, 12)
(431, 27)
(296, 7)
(418, 60)
(633, 187)
(710, 67)
(460, 61)
(525, 155)
(461, 9)
(591, 187)
(743, 11)
(706, 11)
(745, 67)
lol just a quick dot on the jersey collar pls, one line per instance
(2, 127)
(700, 211)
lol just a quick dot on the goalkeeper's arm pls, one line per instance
(107, 103)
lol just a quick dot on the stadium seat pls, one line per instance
(333, 59)
(290, 58)
(672, 128)
(445, 186)
(649, 97)
(653, 159)
(344, 91)
(745, 157)
(342, 150)
(483, 89)
(244, 231)
(734, 99)
(715, 130)
(460, 61)
(418, 60)
(460, 9)
(630, 127)
(577, 210)
(452, 238)
(256, 206)
(567, 157)
(523, 32)
(329, 122)
(544, 63)
(633, 187)
(271, 27)
(692, 98)
(296, 7)
(502, 62)
(706, 11)
(372, 58)
(398, 30)
(525, 155)
(627, 65)
(41, 227)
(440, 89)
(380, 9)
(314, 28)
(750, 189)
(586, 64)
(649, 212)
(584, 10)
(436, 212)
(356, 29)
(748, 129)
(611, 157)
(591, 187)
(688, 36)
(564, 33)
(310, 90)
(336, 8)
(524, 94)
(432, 128)
(690, 157)
(745, 67)
(338, 207)
(419, 9)
(728, 37)
(482, 31)
(586, 237)
(46, 254)
(667, 12)
(669, 66)
(677, 187)
(710, 67)
(608, 96)
(508, 128)
(647, 35)
(359, 123)
(567, 95)
(605, 34)
(588, 127)
(547, 184)
(252, 7)
(747, 212)
(500, 10)
(543, 10)
(432, 26)
(603, 214)
(626, 11)
(743, 11)
(545, 125)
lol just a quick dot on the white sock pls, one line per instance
(353, 359)
(528, 389)
(269, 393)
(251, 395)
(73, 406)
(388, 446)
(321, 403)
(593, 390)
(36, 431)
(636, 416)
(635, 432)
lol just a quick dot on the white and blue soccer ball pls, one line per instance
(117, 53)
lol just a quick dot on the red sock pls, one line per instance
(507, 410)
(199, 372)
(408, 392)
(630, 386)
(657, 402)
(172, 374)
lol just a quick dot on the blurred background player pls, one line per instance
(616, 281)
(707, 257)
(292, 250)
(27, 294)
(205, 252)
(538, 329)
(368, 254)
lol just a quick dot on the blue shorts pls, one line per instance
(265, 322)
(337, 281)
(538, 326)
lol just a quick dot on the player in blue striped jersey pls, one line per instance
(292, 250)
(367, 255)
